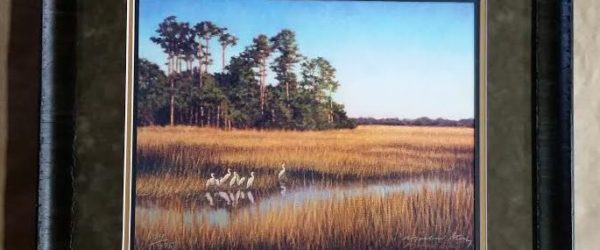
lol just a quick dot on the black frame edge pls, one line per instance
(58, 67)
(553, 142)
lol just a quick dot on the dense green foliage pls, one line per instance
(238, 96)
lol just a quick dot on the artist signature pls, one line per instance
(455, 241)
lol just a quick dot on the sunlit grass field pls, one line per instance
(178, 160)
(173, 164)
(429, 219)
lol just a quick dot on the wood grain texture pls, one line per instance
(23, 125)
(4, 36)
(56, 124)
(553, 124)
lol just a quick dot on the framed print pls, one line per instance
(305, 125)
(282, 124)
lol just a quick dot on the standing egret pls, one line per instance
(212, 181)
(224, 179)
(281, 174)
(233, 179)
(241, 181)
(250, 180)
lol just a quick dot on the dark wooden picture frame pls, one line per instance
(553, 142)
(81, 61)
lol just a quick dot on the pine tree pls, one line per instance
(226, 40)
(260, 52)
(168, 38)
(285, 44)
(231, 98)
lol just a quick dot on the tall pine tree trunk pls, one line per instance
(262, 80)
(201, 122)
(172, 103)
(287, 90)
(218, 115)
(223, 59)
(170, 65)
(208, 117)
(206, 58)
(272, 117)
(200, 64)
(330, 110)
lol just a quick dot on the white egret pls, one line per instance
(250, 180)
(233, 179)
(281, 174)
(212, 181)
(224, 179)
(241, 181)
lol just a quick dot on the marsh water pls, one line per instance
(427, 212)
(219, 208)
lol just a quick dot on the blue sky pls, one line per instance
(393, 59)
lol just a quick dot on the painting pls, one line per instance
(264, 124)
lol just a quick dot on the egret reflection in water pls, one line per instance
(209, 197)
(250, 197)
(219, 208)
(228, 198)
(225, 197)
(283, 190)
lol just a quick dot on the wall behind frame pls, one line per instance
(100, 80)
(587, 122)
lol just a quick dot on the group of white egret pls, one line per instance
(237, 181)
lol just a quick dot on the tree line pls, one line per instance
(422, 121)
(238, 96)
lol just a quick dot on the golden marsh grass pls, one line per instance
(173, 164)
(428, 219)
(176, 160)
